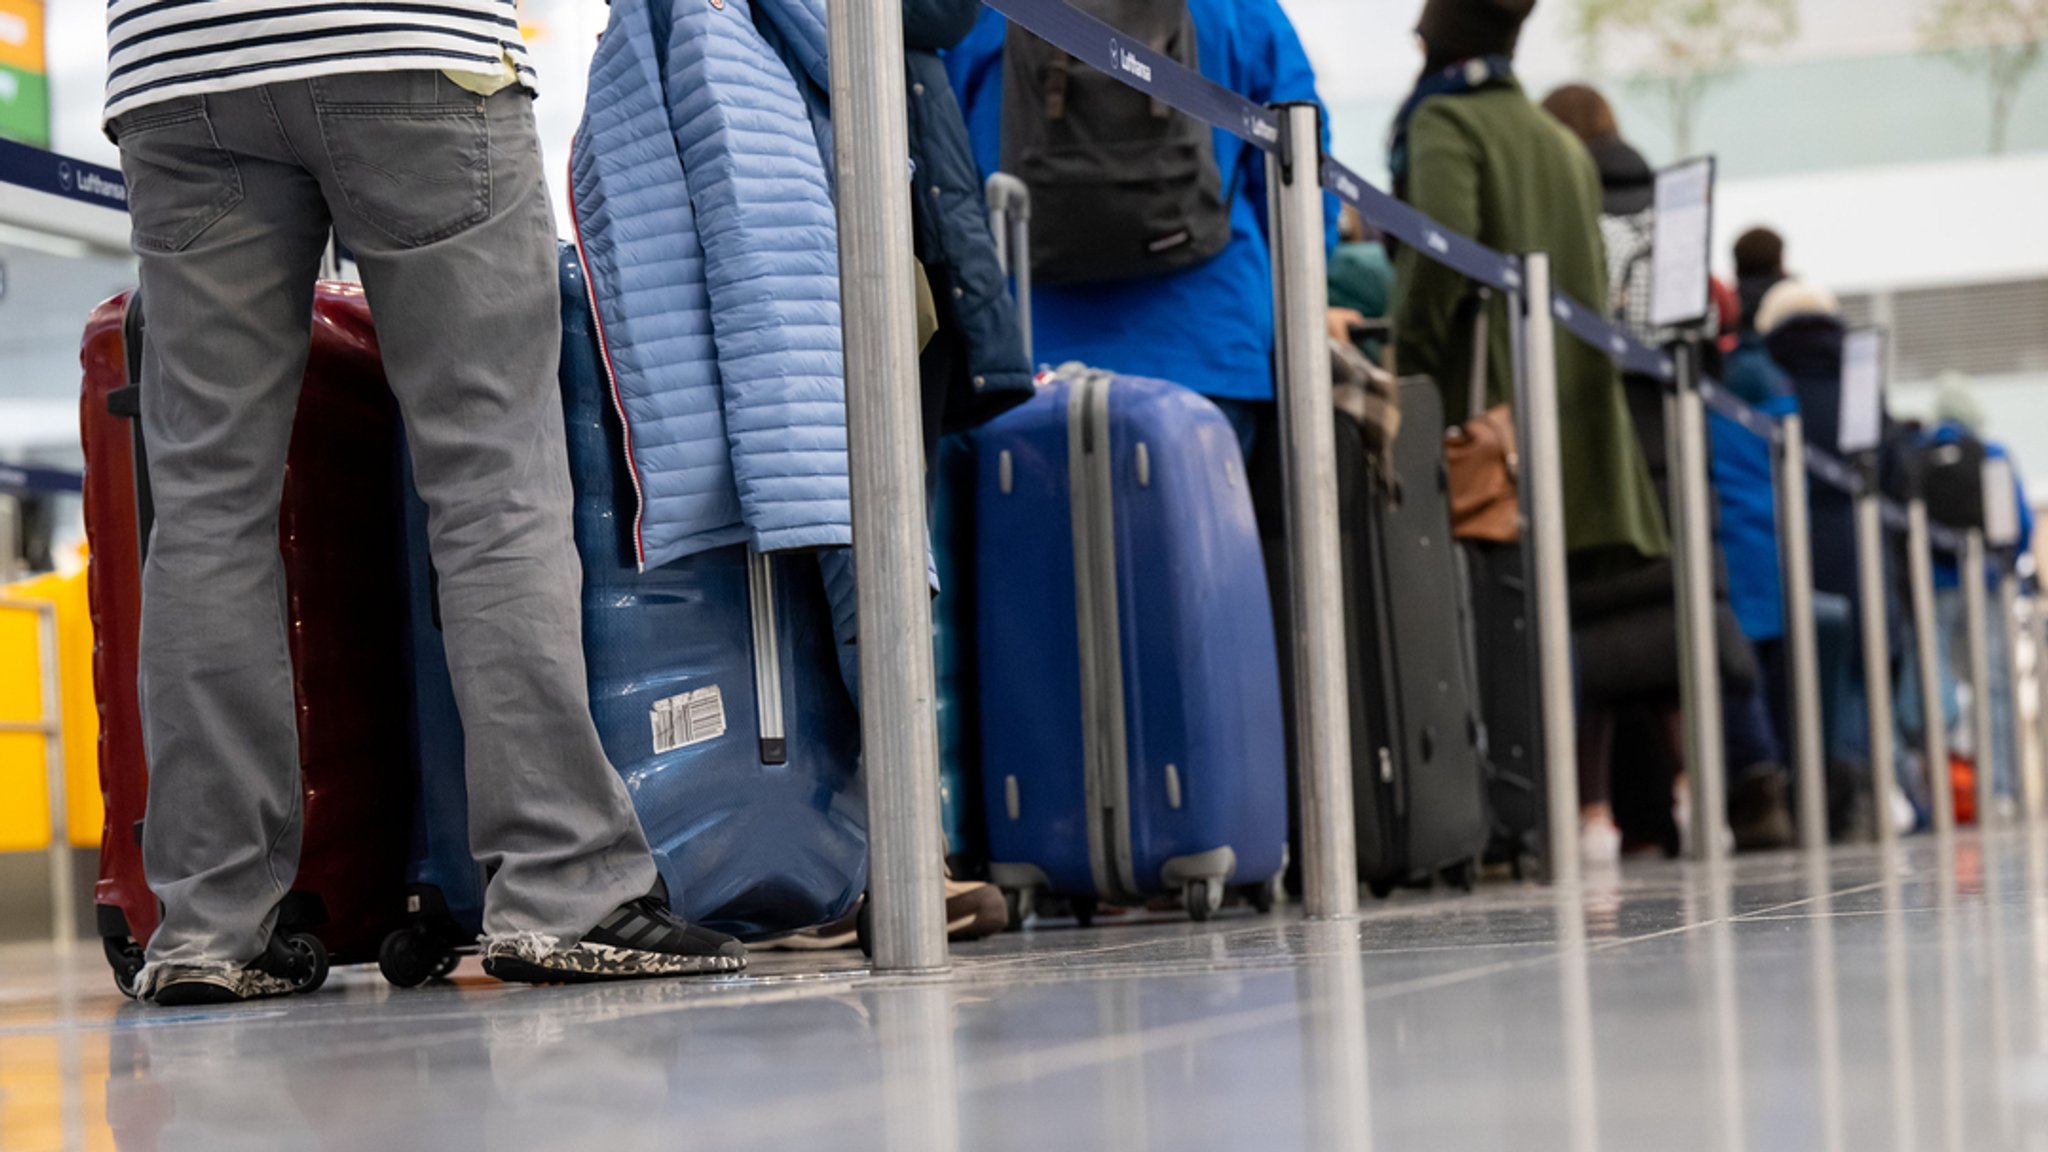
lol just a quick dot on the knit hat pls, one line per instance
(1467, 29)
(1955, 403)
(1791, 299)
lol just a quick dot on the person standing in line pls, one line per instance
(1206, 325)
(1759, 812)
(249, 130)
(1471, 150)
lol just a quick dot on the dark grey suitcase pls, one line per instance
(1503, 643)
(1418, 767)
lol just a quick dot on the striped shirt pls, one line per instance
(160, 49)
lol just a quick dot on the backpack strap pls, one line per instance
(1058, 75)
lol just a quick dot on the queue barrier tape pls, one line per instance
(17, 479)
(1167, 80)
(1142, 67)
(1411, 227)
(39, 171)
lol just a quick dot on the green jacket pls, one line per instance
(1493, 166)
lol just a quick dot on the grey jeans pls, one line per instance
(438, 194)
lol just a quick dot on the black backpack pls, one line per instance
(1122, 185)
(1952, 479)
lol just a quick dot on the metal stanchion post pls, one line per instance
(1543, 517)
(878, 307)
(1927, 660)
(1322, 713)
(10, 537)
(2009, 662)
(1802, 643)
(1877, 655)
(1698, 647)
(1977, 623)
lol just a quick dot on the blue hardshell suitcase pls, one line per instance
(717, 695)
(1132, 734)
(953, 655)
(444, 886)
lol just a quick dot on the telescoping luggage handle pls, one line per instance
(1009, 213)
(768, 700)
(126, 402)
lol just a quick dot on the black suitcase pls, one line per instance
(1503, 644)
(1418, 770)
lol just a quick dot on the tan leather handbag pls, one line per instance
(1482, 459)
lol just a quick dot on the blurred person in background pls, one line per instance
(1800, 326)
(1470, 149)
(1361, 284)
(1747, 586)
(1759, 266)
(1959, 423)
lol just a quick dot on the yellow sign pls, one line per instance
(21, 35)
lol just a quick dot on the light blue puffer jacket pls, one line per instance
(704, 213)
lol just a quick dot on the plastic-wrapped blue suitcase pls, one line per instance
(1132, 737)
(717, 694)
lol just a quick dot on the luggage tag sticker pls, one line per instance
(691, 718)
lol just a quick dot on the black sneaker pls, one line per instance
(640, 939)
(289, 964)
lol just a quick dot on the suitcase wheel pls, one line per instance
(125, 955)
(1084, 909)
(1464, 875)
(411, 956)
(1202, 898)
(1263, 897)
(1018, 903)
(1380, 889)
(305, 959)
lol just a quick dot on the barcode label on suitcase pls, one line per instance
(691, 718)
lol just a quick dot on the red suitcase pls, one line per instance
(339, 530)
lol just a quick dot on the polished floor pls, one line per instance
(1859, 1003)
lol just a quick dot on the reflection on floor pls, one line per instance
(1859, 1003)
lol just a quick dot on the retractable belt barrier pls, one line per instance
(14, 480)
(1171, 82)
(1828, 468)
(41, 171)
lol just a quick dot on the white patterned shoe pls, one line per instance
(641, 939)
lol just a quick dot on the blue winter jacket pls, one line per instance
(700, 189)
(1747, 492)
(1210, 327)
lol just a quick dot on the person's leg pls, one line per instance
(1599, 836)
(229, 232)
(438, 194)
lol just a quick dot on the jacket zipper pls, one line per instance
(604, 354)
